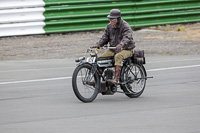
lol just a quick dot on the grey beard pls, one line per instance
(113, 26)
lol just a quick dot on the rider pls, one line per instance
(119, 34)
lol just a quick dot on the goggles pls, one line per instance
(113, 19)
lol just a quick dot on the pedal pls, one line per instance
(114, 89)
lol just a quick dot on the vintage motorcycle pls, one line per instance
(91, 76)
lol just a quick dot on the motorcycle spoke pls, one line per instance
(83, 78)
(134, 79)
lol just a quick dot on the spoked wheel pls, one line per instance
(85, 83)
(133, 78)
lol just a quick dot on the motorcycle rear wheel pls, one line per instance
(134, 78)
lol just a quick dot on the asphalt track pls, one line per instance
(37, 96)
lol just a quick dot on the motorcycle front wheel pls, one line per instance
(133, 78)
(85, 83)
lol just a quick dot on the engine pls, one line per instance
(108, 74)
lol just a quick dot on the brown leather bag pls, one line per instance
(138, 57)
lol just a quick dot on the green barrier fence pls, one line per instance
(66, 16)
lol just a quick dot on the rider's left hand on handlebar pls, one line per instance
(118, 48)
(95, 46)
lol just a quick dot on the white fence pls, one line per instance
(21, 17)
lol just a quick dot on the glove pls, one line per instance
(94, 46)
(118, 48)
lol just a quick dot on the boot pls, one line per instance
(117, 74)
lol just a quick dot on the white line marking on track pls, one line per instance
(171, 68)
(173, 60)
(61, 78)
(34, 80)
(44, 69)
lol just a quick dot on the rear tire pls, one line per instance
(84, 91)
(134, 78)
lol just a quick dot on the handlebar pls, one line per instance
(104, 47)
(111, 47)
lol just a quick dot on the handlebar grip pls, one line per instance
(111, 47)
(80, 59)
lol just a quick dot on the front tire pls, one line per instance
(133, 78)
(81, 79)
